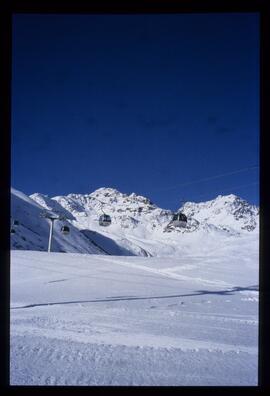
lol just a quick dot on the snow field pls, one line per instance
(79, 319)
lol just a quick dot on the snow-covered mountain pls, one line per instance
(139, 227)
(228, 212)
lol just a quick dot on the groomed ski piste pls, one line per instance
(104, 320)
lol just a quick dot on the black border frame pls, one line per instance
(7, 9)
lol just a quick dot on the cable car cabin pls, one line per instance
(105, 220)
(15, 223)
(65, 230)
(179, 220)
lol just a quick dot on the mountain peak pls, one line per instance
(226, 210)
(113, 195)
(106, 191)
(230, 197)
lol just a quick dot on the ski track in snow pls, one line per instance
(168, 273)
(131, 321)
(56, 362)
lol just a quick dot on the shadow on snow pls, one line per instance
(129, 298)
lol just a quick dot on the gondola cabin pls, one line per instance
(65, 230)
(105, 220)
(15, 223)
(179, 220)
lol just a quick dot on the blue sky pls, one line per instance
(141, 103)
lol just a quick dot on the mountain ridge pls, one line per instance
(139, 227)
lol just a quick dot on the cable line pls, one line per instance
(227, 189)
(209, 178)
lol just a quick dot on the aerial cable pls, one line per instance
(102, 203)
(208, 178)
(104, 219)
(225, 189)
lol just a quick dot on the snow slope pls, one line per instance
(33, 231)
(80, 319)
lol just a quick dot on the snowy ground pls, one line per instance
(79, 319)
